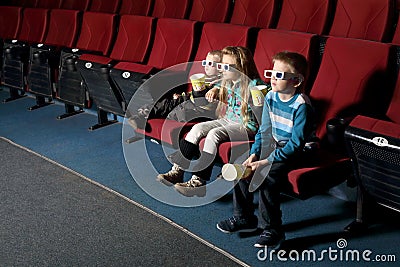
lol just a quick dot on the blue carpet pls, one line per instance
(315, 224)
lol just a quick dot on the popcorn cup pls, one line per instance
(258, 93)
(198, 81)
(232, 172)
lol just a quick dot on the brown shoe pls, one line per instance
(175, 175)
(194, 187)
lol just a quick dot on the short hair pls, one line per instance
(297, 61)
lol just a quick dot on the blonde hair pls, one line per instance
(247, 68)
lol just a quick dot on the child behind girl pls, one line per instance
(236, 121)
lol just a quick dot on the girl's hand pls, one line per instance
(212, 94)
(257, 164)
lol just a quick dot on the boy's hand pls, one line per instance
(249, 160)
(257, 164)
(212, 94)
(176, 96)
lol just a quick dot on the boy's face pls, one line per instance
(212, 70)
(231, 74)
(283, 86)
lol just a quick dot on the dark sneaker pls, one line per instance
(194, 187)
(238, 224)
(175, 175)
(270, 238)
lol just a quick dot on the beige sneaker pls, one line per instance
(194, 187)
(175, 175)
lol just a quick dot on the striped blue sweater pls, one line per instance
(290, 124)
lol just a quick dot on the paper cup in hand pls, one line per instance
(232, 172)
(198, 81)
(258, 93)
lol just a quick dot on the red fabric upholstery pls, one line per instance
(50, 4)
(171, 8)
(107, 6)
(10, 21)
(134, 7)
(133, 47)
(254, 13)
(134, 67)
(304, 16)
(343, 87)
(319, 173)
(95, 58)
(363, 19)
(210, 10)
(81, 5)
(63, 28)
(29, 3)
(97, 32)
(270, 41)
(34, 25)
(167, 131)
(377, 126)
(173, 43)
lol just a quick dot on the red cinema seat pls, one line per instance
(16, 52)
(96, 36)
(363, 19)
(45, 58)
(134, 7)
(10, 21)
(106, 6)
(305, 16)
(374, 145)
(255, 13)
(177, 9)
(173, 44)
(210, 10)
(343, 88)
(81, 5)
(49, 4)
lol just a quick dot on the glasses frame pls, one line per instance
(226, 67)
(281, 75)
(208, 63)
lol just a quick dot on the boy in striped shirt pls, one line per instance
(287, 124)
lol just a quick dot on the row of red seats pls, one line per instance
(336, 92)
(364, 19)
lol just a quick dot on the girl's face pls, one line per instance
(232, 74)
(283, 86)
(212, 70)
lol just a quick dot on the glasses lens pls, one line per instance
(267, 74)
(210, 63)
(226, 67)
(279, 74)
(204, 63)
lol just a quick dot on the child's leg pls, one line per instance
(269, 196)
(201, 130)
(229, 132)
(243, 200)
